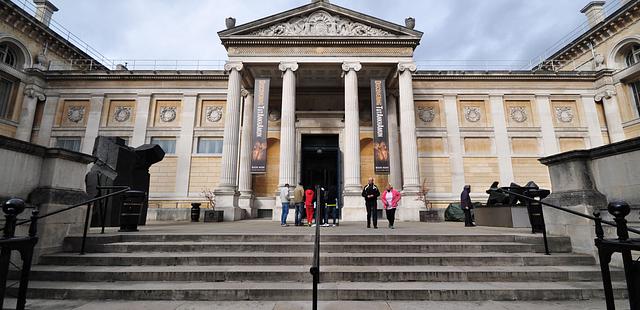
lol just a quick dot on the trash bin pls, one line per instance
(132, 204)
(195, 212)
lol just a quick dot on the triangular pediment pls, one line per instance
(320, 19)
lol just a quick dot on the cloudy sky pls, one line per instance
(453, 29)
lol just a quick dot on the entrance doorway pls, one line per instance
(321, 161)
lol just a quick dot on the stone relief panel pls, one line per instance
(74, 113)
(518, 113)
(321, 23)
(121, 113)
(212, 113)
(167, 113)
(473, 113)
(428, 114)
(565, 113)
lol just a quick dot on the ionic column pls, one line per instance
(184, 144)
(48, 117)
(351, 128)
(288, 124)
(244, 178)
(503, 149)
(231, 144)
(593, 123)
(410, 165)
(93, 123)
(32, 94)
(612, 115)
(549, 140)
(141, 121)
(395, 165)
(454, 141)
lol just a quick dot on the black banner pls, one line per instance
(260, 126)
(380, 132)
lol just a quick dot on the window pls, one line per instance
(635, 88)
(209, 146)
(69, 143)
(167, 144)
(8, 55)
(6, 89)
(633, 56)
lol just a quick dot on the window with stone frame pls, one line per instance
(635, 92)
(6, 95)
(8, 55)
(633, 55)
(69, 143)
(168, 145)
(211, 146)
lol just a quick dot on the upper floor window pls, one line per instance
(210, 146)
(69, 143)
(633, 55)
(8, 55)
(168, 145)
(6, 93)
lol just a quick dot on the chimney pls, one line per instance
(44, 11)
(595, 12)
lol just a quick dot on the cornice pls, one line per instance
(319, 41)
(137, 75)
(506, 75)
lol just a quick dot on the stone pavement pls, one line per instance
(341, 305)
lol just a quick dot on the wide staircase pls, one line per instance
(275, 267)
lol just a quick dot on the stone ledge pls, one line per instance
(69, 155)
(20, 146)
(622, 147)
(48, 195)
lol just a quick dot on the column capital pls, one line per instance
(411, 66)
(607, 94)
(284, 66)
(34, 91)
(348, 66)
(245, 92)
(235, 65)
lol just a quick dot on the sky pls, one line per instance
(453, 29)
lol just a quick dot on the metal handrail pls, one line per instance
(315, 267)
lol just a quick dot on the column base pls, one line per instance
(354, 209)
(227, 200)
(277, 211)
(245, 202)
(410, 207)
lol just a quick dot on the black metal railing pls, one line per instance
(315, 265)
(606, 247)
(25, 245)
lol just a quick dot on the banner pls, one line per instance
(260, 126)
(380, 132)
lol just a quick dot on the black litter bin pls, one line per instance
(132, 204)
(195, 212)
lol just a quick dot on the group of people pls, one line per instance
(328, 204)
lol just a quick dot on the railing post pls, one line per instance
(620, 209)
(86, 228)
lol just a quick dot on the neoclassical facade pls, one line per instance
(445, 128)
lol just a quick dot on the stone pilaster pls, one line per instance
(549, 139)
(395, 174)
(244, 178)
(141, 121)
(593, 123)
(184, 144)
(455, 144)
(410, 209)
(48, 117)
(226, 193)
(93, 123)
(612, 114)
(32, 94)
(503, 149)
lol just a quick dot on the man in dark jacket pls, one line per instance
(371, 193)
(465, 203)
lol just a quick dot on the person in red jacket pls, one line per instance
(308, 203)
(390, 198)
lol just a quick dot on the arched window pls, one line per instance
(8, 55)
(632, 57)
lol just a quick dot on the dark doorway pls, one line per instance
(321, 161)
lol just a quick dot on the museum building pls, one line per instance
(302, 83)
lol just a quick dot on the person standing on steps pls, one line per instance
(298, 200)
(332, 206)
(308, 203)
(465, 203)
(371, 193)
(285, 197)
(390, 198)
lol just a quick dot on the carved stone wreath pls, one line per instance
(427, 114)
(518, 114)
(214, 114)
(321, 23)
(122, 114)
(564, 114)
(75, 114)
(472, 114)
(168, 114)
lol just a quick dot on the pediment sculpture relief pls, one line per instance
(321, 23)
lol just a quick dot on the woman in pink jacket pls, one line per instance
(390, 198)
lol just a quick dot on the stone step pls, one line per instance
(340, 259)
(288, 291)
(300, 273)
(327, 247)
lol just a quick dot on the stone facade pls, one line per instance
(448, 128)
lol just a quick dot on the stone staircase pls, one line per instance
(275, 267)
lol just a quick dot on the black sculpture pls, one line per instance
(120, 165)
